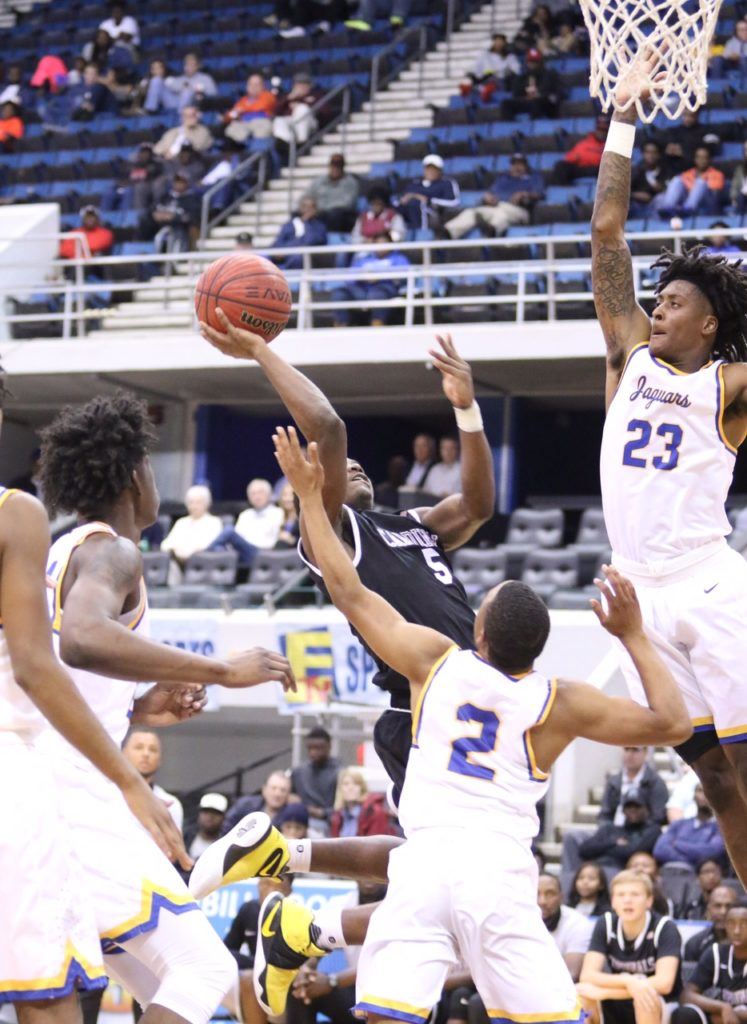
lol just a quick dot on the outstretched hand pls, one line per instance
(622, 615)
(635, 80)
(305, 475)
(232, 341)
(456, 373)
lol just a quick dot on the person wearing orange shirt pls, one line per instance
(696, 190)
(583, 159)
(253, 113)
(11, 126)
(99, 238)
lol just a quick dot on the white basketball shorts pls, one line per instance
(470, 895)
(49, 943)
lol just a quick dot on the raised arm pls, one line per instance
(306, 404)
(410, 650)
(458, 517)
(104, 571)
(24, 543)
(623, 322)
(580, 710)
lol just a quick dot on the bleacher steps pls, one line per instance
(587, 814)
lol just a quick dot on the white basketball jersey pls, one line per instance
(666, 465)
(471, 763)
(17, 712)
(111, 700)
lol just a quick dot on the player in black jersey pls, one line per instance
(717, 992)
(641, 951)
(401, 557)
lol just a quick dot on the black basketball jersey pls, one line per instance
(406, 564)
(659, 937)
(719, 975)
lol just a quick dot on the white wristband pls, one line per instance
(469, 420)
(620, 139)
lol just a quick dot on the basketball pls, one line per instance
(251, 291)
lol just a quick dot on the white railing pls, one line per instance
(423, 286)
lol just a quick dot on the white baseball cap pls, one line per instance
(433, 160)
(214, 802)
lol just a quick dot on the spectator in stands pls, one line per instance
(188, 161)
(692, 840)
(91, 97)
(135, 189)
(251, 115)
(720, 900)
(293, 820)
(379, 258)
(315, 782)
(12, 88)
(717, 990)
(98, 239)
(681, 802)
(121, 25)
(295, 17)
(257, 527)
(679, 142)
(209, 826)
(306, 228)
(272, 798)
(423, 458)
(293, 116)
(649, 178)
(710, 876)
(150, 83)
(177, 217)
(719, 244)
(537, 30)
(589, 893)
(366, 11)
(492, 68)
(636, 774)
(566, 42)
(646, 864)
(696, 190)
(290, 529)
(445, 477)
(351, 791)
(379, 218)
(386, 493)
(569, 928)
(11, 127)
(583, 159)
(508, 201)
(96, 51)
(612, 844)
(244, 241)
(738, 188)
(535, 92)
(190, 130)
(175, 92)
(142, 748)
(735, 50)
(336, 195)
(425, 202)
(195, 531)
(633, 963)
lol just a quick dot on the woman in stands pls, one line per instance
(590, 893)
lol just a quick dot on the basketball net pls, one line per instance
(676, 33)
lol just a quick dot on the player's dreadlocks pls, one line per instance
(517, 625)
(724, 284)
(89, 452)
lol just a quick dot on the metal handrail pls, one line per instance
(296, 151)
(206, 222)
(378, 81)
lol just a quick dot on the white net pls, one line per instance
(654, 47)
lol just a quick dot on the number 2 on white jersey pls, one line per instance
(485, 743)
(440, 569)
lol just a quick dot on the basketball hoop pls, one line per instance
(672, 35)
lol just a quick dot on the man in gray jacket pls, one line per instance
(336, 195)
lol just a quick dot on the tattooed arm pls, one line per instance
(622, 320)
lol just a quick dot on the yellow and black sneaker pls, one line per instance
(252, 848)
(286, 938)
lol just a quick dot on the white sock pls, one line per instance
(329, 922)
(300, 855)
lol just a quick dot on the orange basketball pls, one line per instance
(251, 291)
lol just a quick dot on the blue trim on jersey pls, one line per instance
(540, 1020)
(386, 1011)
(158, 903)
(704, 728)
(76, 978)
(739, 738)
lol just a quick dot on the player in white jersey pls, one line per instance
(49, 944)
(156, 940)
(676, 396)
(486, 729)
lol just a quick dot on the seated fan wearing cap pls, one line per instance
(212, 811)
(424, 203)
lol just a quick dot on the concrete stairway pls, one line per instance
(399, 108)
